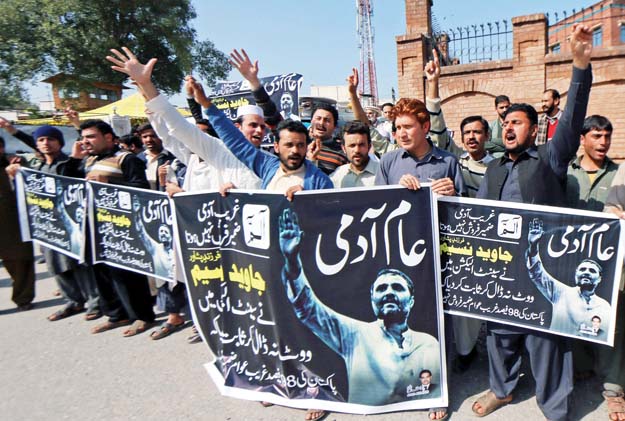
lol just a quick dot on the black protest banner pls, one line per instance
(52, 210)
(331, 301)
(282, 89)
(550, 269)
(132, 229)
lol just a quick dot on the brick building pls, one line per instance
(539, 60)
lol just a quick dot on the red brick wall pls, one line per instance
(470, 89)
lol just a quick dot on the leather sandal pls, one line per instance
(65, 312)
(108, 325)
(489, 403)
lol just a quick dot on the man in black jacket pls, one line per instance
(530, 174)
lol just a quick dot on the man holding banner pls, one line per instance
(76, 281)
(513, 178)
(125, 296)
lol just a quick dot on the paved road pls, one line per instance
(58, 370)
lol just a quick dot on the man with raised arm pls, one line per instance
(288, 172)
(473, 161)
(512, 177)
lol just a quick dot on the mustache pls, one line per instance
(392, 299)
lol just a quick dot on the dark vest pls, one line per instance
(539, 184)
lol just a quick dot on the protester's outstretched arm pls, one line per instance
(72, 116)
(438, 128)
(352, 87)
(13, 131)
(581, 46)
(241, 61)
(194, 107)
(432, 74)
(140, 73)
(565, 142)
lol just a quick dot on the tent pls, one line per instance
(132, 106)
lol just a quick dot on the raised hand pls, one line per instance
(432, 68)
(352, 81)
(136, 204)
(243, 64)
(290, 235)
(6, 125)
(189, 80)
(432, 72)
(72, 116)
(581, 45)
(198, 92)
(129, 64)
(535, 232)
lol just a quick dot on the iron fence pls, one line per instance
(473, 43)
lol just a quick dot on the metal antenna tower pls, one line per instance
(369, 83)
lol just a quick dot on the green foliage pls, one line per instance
(39, 38)
(12, 96)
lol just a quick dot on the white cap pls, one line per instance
(250, 109)
(374, 109)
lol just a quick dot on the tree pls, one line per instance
(43, 37)
(12, 97)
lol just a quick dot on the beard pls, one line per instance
(586, 285)
(293, 166)
(517, 149)
(393, 316)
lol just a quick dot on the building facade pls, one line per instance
(539, 59)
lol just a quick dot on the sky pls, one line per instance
(319, 39)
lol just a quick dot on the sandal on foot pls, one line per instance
(320, 414)
(489, 403)
(65, 312)
(616, 403)
(108, 325)
(166, 329)
(92, 315)
(433, 411)
(137, 327)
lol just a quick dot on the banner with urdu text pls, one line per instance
(52, 210)
(331, 301)
(550, 269)
(132, 229)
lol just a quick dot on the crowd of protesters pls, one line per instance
(519, 157)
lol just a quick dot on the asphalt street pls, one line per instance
(59, 370)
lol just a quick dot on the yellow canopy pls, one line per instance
(132, 106)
